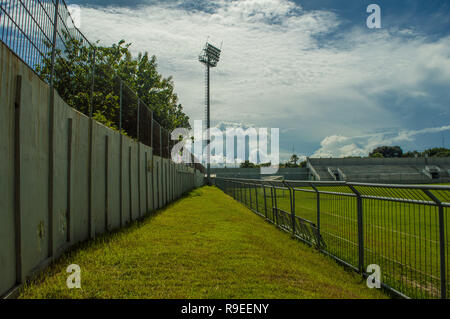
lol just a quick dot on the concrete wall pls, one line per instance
(67, 182)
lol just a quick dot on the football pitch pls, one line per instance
(400, 228)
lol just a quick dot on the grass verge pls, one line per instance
(205, 245)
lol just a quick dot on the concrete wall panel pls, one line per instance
(61, 213)
(126, 202)
(79, 214)
(134, 182)
(34, 166)
(148, 182)
(99, 176)
(7, 233)
(113, 166)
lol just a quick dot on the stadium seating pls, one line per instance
(381, 170)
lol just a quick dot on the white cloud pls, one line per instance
(274, 72)
(342, 146)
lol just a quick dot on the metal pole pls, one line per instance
(137, 126)
(441, 243)
(160, 141)
(292, 202)
(55, 33)
(360, 229)
(318, 206)
(151, 135)
(91, 109)
(120, 107)
(208, 141)
(51, 136)
(265, 202)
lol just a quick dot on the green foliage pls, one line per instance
(294, 159)
(73, 81)
(247, 164)
(377, 155)
(387, 151)
(431, 152)
(437, 152)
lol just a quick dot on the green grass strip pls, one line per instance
(205, 245)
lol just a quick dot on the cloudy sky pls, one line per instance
(311, 68)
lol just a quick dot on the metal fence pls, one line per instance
(43, 34)
(404, 229)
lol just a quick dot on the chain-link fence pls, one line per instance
(44, 35)
(404, 229)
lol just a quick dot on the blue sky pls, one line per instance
(311, 68)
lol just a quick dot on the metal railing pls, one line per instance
(404, 229)
(43, 34)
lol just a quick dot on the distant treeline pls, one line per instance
(379, 152)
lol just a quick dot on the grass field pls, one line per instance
(206, 245)
(403, 238)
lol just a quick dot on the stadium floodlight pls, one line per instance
(209, 57)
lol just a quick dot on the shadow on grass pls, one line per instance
(55, 266)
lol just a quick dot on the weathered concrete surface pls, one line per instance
(147, 180)
(61, 175)
(113, 202)
(126, 180)
(99, 176)
(79, 181)
(134, 185)
(34, 172)
(7, 233)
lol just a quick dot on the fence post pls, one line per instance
(160, 141)
(245, 194)
(17, 194)
(360, 229)
(273, 203)
(250, 195)
(168, 147)
(151, 130)
(292, 202)
(256, 198)
(318, 206)
(265, 201)
(51, 135)
(441, 243)
(55, 33)
(137, 120)
(121, 157)
(91, 109)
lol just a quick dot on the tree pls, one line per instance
(377, 155)
(294, 159)
(387, 151)
(412, 154)
(437, 152)
(247, 164)
(73, 79)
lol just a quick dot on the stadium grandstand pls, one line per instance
(381, 170)
(367, 170)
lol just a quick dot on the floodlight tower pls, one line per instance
(209, 57)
